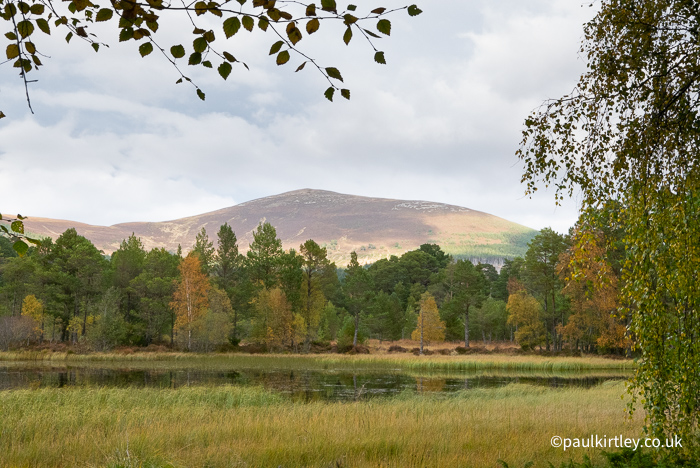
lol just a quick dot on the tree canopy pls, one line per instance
(628, 134)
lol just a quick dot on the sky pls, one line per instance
(113, 139)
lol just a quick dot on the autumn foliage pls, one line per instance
(593, 288)
(430, 327)
(190, 300)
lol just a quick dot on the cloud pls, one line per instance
(115, 141)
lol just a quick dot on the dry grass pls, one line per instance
(382, 347)
(231, 426)
(404, 362)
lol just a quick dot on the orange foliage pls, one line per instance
(191, 298)
(593, 288)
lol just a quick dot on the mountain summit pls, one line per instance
(374, 227)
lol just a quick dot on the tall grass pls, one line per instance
(231, 426)
(406, 362)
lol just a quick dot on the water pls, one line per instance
(304, 385)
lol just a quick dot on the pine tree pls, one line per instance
(315, 260)
(263, 256)
(204, 249)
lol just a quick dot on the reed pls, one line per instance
(234, 426)
(471, 363)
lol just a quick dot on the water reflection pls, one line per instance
(300, 385)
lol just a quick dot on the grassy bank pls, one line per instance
(232, 426)
(404, 362)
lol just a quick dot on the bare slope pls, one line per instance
(374, 227)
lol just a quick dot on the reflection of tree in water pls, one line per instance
(300, 385)
(429, 385)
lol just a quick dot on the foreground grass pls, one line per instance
(406, 362)
(234, 426)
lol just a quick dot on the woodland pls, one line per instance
(215, 298)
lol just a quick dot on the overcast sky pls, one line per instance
(114, 139)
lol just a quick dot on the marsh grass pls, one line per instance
(244, 426)
(404, 362)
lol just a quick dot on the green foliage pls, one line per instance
(330, 323)
(464, 289)
(154, 288)
(541, 278)
(628, 135)
(6, 249)
(109, 329)
(489, 321)
(263, 256)
(357, 289)
(346, 336)
(126, 264)
(213, 328)
(204, 249)
(314, 262)
(230, 275)
(628, 458)
(140, 23)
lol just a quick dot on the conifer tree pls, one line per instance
(204, 249)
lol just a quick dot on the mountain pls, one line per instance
(374, 227)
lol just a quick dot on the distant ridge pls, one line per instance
(374, 227)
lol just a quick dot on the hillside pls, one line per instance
(374, 227)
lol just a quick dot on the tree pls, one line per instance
(190, 300)
(212, 328)
(263, 256)
(274, 319)
(525, 313)
(593, 286)
(127, 263)
(357, 288)
(330, 322)
(204, 249)
(430, 327)
(110, 328)
(290, 277)
(314, 262)
(140, 22)
(76, 268)
(6, 250)
(229, 272)
(628, 134)
(154, 288)
(436, 252)
(542, 278)
(18, 275)
(491, 276)
(491, 319)
(466, 290)
(34, 308)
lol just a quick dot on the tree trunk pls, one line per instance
(87, 305)
(421, 331)
(235, 324)
(466, 327)
(357, 327)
